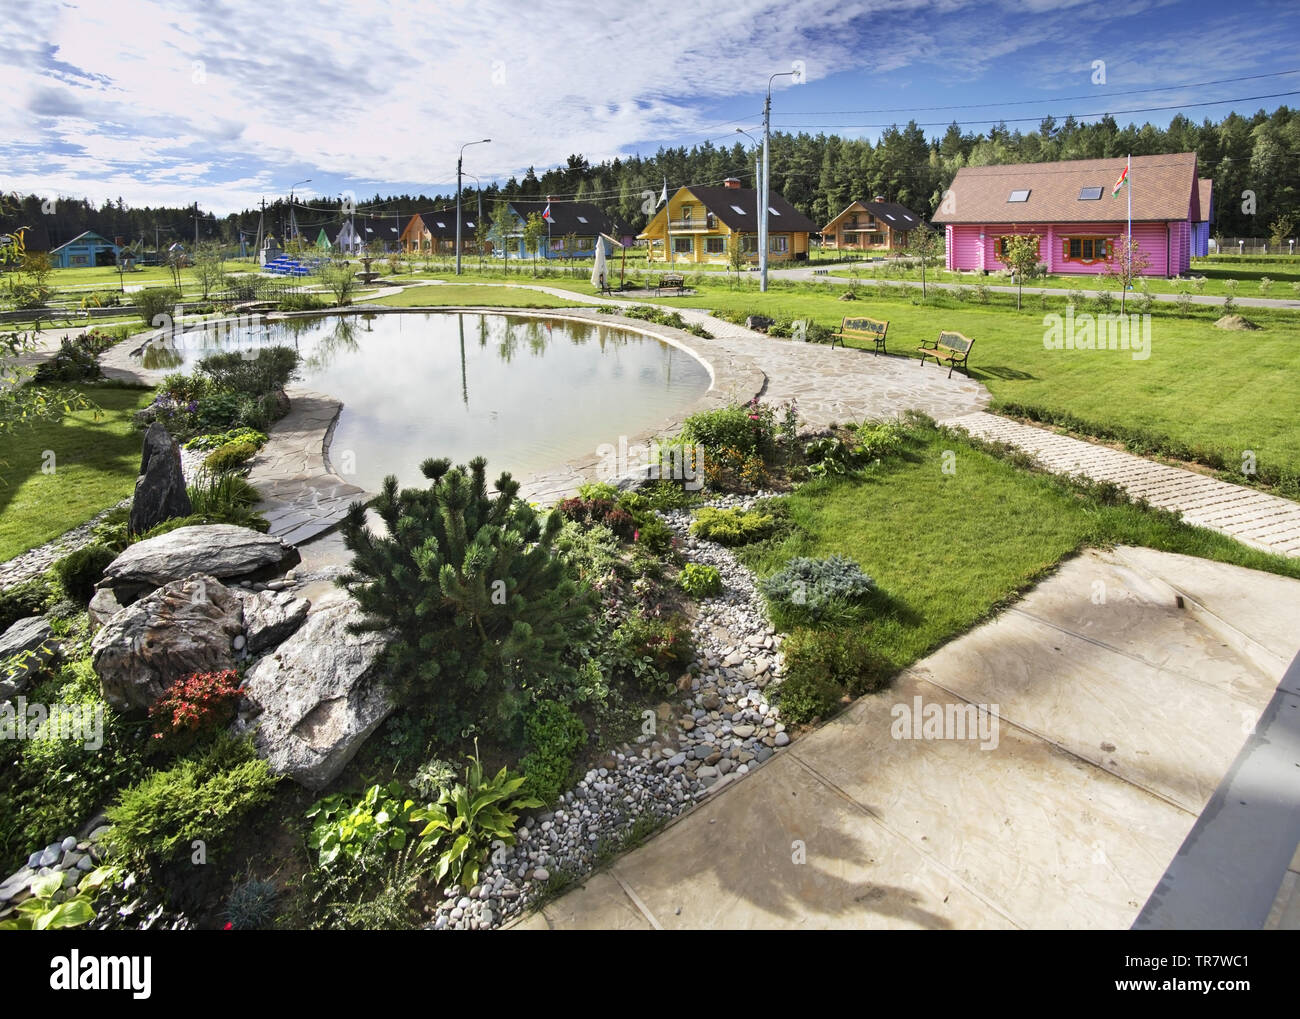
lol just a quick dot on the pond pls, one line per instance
(527, 393)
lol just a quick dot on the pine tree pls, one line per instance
(478, 606)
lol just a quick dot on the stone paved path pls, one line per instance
(1252, 517)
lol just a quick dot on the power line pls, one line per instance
(1076, 116)
(1027, 102)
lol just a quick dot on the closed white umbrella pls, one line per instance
(598, 269)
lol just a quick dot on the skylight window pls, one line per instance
(469, 222)
(773, 211)
(739, 210)
(890, 215)
(1089, 194)
(582, 219)
(1019, 196)
(441, 224)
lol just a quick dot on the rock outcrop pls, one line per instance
(186, 626)
(160, 489)
(321, 694)
(217, 550)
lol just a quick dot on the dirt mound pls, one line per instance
(1236, 323)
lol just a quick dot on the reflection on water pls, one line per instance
(527, 393)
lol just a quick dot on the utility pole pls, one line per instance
(460, 159)
(196, 225)
(762, 197)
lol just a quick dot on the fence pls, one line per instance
(1251, 246)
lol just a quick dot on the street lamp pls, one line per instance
(767, 143)
(459, 160)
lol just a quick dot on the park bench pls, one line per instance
(951, 347)
(671, 281)
(821, 272)
(862, 329)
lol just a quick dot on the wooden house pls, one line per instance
(876, 225)
(1070, 207)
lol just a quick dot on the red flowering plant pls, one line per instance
(193, 708)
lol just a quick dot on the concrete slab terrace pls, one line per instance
(1116, 721)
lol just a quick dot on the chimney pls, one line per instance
(732, 183)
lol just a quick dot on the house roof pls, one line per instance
(1205, 189)
(581, 218)
(383, 228)
(1163, 188)
(737, 207)
(895, 216)
(87, 236)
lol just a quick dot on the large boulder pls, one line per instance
(24, 647)
(218, 550)
(270, 617)
(184, 627)
(160, 489)
(321, 694)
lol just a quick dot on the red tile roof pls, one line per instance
(1164, 188)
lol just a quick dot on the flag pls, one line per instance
(546, 213)
(663, 198)
(1119, 183)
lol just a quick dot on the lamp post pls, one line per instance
(767, 144)
(757, 178)
(459, 160)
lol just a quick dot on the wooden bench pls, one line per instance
(671, 281)
(951, 347)
(862, 329)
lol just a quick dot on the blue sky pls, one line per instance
(226, 103)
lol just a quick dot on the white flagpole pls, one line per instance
(1128, 179)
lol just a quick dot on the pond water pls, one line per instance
(526, 393)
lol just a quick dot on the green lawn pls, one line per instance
(458, 295)
(106, 277)
(1012, 528)
(94, 465)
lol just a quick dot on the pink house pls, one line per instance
(1068, 206)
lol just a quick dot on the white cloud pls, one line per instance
(163, 102)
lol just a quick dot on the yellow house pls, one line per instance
(701, 224)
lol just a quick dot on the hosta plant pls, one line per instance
(44, 912)
(468, 819)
